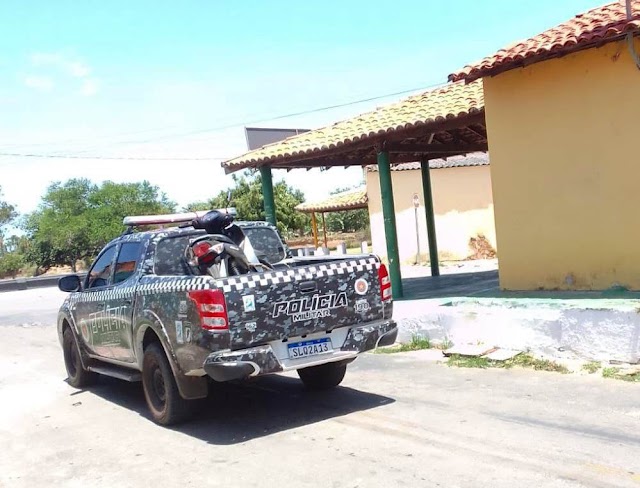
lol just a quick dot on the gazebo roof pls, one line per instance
(440, 122)
(348, 200)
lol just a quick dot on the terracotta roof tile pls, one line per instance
(597, 26)
(448, 102)
(473, 159)
(348, 200)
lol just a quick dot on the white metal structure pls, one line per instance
(177, 218)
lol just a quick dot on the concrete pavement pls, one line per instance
(398, 420)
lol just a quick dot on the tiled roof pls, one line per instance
(448, 102)
(592, 28)
(348, 200)
(473, 159)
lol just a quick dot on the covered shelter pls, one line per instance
(438, 123)
(340, 202)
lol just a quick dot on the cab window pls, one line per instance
(127, 260)
(169, 259)
(100, 273)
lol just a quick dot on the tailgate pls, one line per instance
(277, 305)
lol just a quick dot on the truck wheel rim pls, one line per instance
(72, 359)
(158, 386)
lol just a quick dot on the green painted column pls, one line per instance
(267, 194)
(431, 220)
(389, 214)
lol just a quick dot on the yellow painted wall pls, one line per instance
(462, 203)
(565, 169)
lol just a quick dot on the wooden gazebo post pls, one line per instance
(314, 229)
(324, 230)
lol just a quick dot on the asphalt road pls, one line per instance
(398, 420)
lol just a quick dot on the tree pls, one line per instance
(348, 220)
(111, 202)
(59, 230)
(7, 212)
(77, 218)
(246, 197)
(10, 264)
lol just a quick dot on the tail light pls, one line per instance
(212, 309)
(201, 249)
(206, 253)
(385, 283)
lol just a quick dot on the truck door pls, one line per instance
(120, 302)
(89, 312)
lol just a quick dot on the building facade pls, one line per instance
(563, 138)
(463, 207)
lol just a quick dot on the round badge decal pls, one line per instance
(85, 331)
(361, 286)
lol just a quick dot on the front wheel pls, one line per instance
(323, 377)
(165, 403)
(78, 377)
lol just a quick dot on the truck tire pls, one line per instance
(324, 376)
(78, 377)
(166, 405)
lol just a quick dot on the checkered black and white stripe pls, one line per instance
(170, 284)
(164, 285)
(237, 283)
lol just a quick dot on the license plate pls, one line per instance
(304, 349)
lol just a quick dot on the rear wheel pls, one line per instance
(165, 403)
(324, 376)
(78, 377)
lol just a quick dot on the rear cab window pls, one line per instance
(169, 256)
(266, 243)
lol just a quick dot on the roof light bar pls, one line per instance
(176, 218)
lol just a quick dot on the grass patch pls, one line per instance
(468, 362)
(591, 367)
(445, 344)
(417, 343)
(521, 360)
(528, 361)
(616, 375)
(610, 372)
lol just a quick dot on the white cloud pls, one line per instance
(39, 83)
(65, 64)
(40, 59)
(78, 70)
(89, 87)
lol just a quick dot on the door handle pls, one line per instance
(307, 286)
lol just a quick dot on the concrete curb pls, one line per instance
(591, 333)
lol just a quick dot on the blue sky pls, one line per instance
(147, 79)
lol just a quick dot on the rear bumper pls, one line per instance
(261, 360)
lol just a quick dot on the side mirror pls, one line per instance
(69, 283)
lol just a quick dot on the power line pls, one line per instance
(211, 129)
(105, 158)
(284, 116)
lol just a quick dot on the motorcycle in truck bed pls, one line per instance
(178, 307)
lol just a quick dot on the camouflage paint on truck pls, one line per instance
(303, 297)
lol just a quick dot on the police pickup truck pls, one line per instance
(145, 313)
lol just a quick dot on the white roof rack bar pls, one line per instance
(176, 218)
